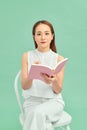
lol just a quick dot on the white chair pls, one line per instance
(65, 118)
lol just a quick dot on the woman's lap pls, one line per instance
(50, 108)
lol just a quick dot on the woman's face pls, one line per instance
(43, 36)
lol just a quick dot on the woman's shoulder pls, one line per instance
(24, 57)
(60, 57)
(25, 54)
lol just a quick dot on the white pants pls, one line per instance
(41, 112)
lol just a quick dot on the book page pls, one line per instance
(36, 70)
(60, 65)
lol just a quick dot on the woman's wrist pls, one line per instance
(55, 86)
(27, 84)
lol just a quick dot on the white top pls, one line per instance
(39, 88)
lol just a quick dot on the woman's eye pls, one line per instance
(46, 33)
(38, 34)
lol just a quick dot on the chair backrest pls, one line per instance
(16, 87)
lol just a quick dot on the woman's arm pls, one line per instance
(57, 80)
(26, 83)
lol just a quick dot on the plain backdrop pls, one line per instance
(69, 18)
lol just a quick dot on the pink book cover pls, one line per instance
(37, 69)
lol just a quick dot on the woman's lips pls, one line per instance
(43, 42)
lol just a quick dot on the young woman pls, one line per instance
(43, 102)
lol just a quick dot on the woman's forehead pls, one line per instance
(42, 27)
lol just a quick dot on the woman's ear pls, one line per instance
(34, 38)
(52, 36)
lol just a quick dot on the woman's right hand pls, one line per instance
(37, 62)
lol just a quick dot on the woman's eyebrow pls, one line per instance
(47, 31)
(41, 31)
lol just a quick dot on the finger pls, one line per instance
(45, 75)
(37, 62)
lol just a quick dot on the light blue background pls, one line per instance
(69, 19)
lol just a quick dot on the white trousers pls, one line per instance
(41, 112)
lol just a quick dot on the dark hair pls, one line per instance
(52, 45)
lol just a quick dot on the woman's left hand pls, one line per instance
(48, 79)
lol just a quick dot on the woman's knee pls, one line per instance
(38, 111)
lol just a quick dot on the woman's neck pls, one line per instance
(43, 49)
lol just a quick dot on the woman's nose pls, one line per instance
(42, 36)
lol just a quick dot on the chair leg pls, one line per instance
(63, 128)
(67, 127)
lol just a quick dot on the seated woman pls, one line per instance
(43, 102)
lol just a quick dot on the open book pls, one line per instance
(37, 69)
